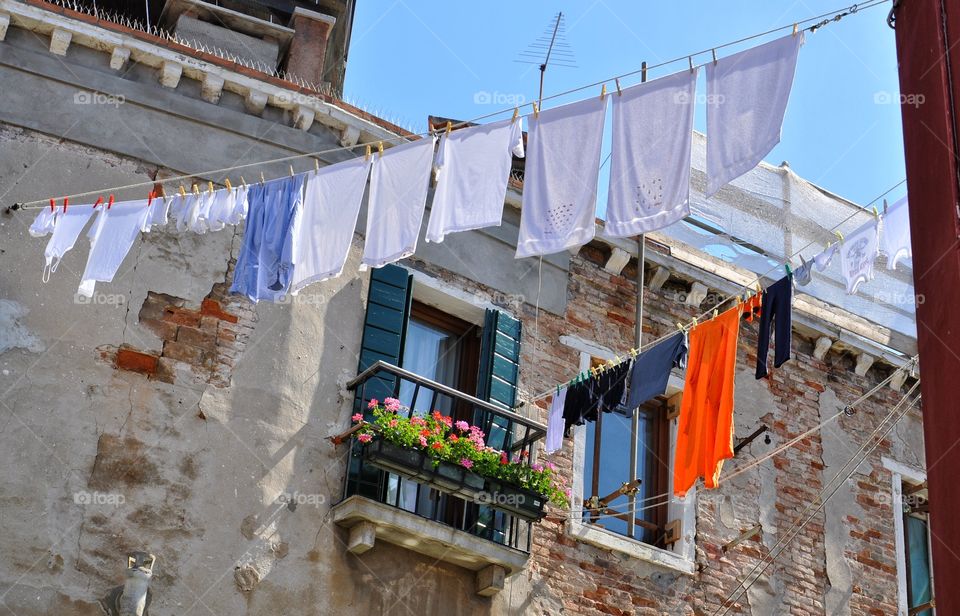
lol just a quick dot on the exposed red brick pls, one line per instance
(212, 307)
(165, 330)
(181, 316)
(136, 361)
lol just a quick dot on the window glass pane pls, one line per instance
(918, 547)
(614, 465)
(432, 353)
(649, 465)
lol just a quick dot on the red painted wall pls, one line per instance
(928, 49)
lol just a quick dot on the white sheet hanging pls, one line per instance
(113, 234)
(650, 155)
(399, 180)
(44, 223)
(560, 180)
(895, 235)
(747, 96)
(474, 168)
(324, 224)
(65, 233)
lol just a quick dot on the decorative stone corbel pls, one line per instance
(617, 261)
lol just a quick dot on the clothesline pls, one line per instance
(908, 366)
(835, 15)
(747, 287)
(819, 502)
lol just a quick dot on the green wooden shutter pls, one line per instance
(385, 327)
(499, 371)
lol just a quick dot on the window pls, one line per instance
(626, 467)
(444, 349)
(912, 527)
(918, 565)
(635, 449)
(422, 330)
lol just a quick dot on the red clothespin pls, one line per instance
(52, 205)
(110, 202)
(99, 201)
(150, 198)
(66, 202)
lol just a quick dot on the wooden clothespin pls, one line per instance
(183, 191)
(516, 114)
(110, 202)
(99, 201)
(210, 187)
(243, 181)
(536, 110)
(449, 127)
(680, 326)
(690, 61)
(796, 29)
(367, 155)
(603, 91)
(227, 182)
(380, 148)
(714, 52)
(619, 91)
(196, 189)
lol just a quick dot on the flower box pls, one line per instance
(414, 464)
(515, 500)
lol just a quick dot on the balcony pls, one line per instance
(448, 514)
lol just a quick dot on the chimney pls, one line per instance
(308, 49)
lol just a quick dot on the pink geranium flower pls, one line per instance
(372, 404)
(466, 463)
(391, 404)
(423, 441)
(393, 423)
(364, 438)
(462, 426)
(358, 417)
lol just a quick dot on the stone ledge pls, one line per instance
(421, 535)
(607, 540)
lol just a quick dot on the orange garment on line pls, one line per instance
(705, 433)
(751, 307)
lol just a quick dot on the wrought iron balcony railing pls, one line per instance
(504, 429)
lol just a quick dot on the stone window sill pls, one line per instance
(602, 538)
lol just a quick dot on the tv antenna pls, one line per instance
(551, 49)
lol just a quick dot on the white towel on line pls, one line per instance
(399, 181)
(324, 224)
(895, 238)
(650, 155)
(474, 168)
(747, 96)
(560, 180)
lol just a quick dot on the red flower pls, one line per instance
(425, 432)
(437, 445)
(503, 458)
(454, 438)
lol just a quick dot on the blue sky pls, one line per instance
(412, 58)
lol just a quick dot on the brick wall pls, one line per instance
(590, 580)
